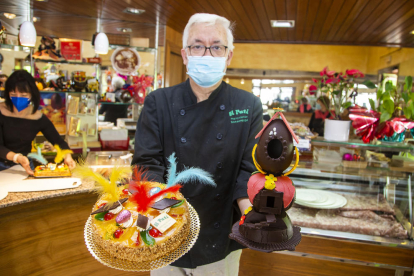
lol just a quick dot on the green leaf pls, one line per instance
(372, 103)
(369, 84)
(336, 92)
(405, 97)
(407, 112)
(386, 96)
(146, 237)
(408, 83)
(379, 94)
(412, 96)
(100, 216)
(346, 105)
(389, 86)
(388, 105)
(385, 116)
(178, 204)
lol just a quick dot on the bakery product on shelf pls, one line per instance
(266, 226)
(142, 236)
(52, 170)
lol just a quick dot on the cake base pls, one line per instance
(266, 247)
(112, 261)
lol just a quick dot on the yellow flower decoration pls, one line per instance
(248, 210)
(270, 182)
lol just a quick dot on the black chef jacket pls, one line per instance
(216, 135)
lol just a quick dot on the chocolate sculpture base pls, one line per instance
(266, 247)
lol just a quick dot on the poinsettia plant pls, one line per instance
(340, 88)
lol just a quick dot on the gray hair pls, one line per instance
(117, 82)
(210, 19)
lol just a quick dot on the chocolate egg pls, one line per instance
(123, 216)
(274, 152)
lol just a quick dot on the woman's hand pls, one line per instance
(69, 161)
(24, 161)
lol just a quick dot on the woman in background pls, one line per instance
(317, 121)
(305, 107)
(21, 121)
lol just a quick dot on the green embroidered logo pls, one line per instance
(239, 116)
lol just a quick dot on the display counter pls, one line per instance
(42, 232)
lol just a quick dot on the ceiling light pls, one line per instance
(412, 32)
(36, 19)
(282, 23)
(42, 0)
(227, 80)
(101, 44)
(9, 15)
(242, 81)
(124, 30)
(27, 34)
(134, 11)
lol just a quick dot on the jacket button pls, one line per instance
(222, 107)
(217, 197)
(216, 225)
(182, 112)
(183, 140)
(219, 165)
(219, 136)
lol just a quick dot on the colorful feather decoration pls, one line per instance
(102, 184)
(38, 156)
(172, 169)
(140, 187)
(60, 154)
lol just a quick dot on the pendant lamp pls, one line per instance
(27, 34)
(101, 44)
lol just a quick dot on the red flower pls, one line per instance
(242, 220)
(325, 72)
(354, 73)
(315, 80)
(313, 88)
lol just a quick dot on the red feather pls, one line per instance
(140, 187)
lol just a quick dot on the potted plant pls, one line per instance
(339, 88)
(390, 116)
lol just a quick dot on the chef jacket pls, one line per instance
(216, 135)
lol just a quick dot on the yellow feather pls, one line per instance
(60, 154)
(119, 173)
(102, 185)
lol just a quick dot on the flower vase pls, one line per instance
(337, 130)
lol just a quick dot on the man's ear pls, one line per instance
(184, 56)
(229, 57)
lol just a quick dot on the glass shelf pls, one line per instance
(117, 103)
(65, 62)
(14, 48)
(71, 92)
(353, 143)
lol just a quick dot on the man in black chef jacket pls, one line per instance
(210, 125)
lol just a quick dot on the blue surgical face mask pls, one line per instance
(318, 106)
(20, 102)
(206, 71)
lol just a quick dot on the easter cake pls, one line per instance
(52, 170)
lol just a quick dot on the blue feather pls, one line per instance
(172, 170)
(38, 156)
(194, 175)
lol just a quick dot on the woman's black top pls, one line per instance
(17, 134)
(317, 123)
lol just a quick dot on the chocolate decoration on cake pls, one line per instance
(266, 226)
(142, 221)
(108, 207)
(164, 203)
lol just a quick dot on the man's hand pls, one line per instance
(69, 161)
(243, 203)
(24, 161)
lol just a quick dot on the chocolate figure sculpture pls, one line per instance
(265, 226)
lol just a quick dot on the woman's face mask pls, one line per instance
(206, 71)
(20, 103)
(318, 106)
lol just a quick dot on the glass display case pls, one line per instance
(368, 187)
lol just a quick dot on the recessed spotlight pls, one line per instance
(412, 32)
(9, 15)
(42, 0)
(124, 30)
(36, 19)
(134, 11)
(282, 23)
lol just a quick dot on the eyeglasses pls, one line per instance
(200, 50)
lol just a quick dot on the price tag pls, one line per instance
(163, 222)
